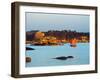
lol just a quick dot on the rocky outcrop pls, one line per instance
(28, 59)
(64, 57)
(28, 48)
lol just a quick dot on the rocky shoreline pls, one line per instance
(28, 48)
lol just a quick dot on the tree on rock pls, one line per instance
(39, 35)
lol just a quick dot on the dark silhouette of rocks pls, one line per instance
(70, 57)
(28, 48)
(28, 59)
(63, 57)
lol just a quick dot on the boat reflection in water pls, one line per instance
(73, 42)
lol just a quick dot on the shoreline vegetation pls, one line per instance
(55, 37)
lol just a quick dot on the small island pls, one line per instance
(64, 57)
(28, 48)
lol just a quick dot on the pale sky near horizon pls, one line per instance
(47, 21)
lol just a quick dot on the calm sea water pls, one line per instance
(43, 55)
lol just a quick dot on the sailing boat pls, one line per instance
(73, 42)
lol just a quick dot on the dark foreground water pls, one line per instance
(43, 55)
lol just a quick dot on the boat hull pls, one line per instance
(73, 45)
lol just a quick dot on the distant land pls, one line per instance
(55, 36)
